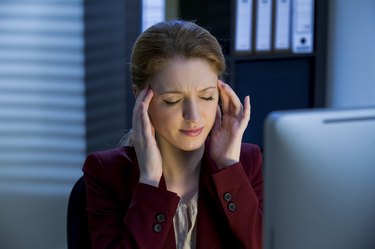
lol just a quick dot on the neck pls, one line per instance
(181, 168)
(178, 163)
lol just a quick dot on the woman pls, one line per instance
(184, 180)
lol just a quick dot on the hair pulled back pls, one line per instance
(165, 41)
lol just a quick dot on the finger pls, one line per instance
(234, 104)
(223, 97)
(217, 123)
(137, 123)
(137, 104)
(146, 123)
(147, 99)
(234, 99)
(247, 111)
(139, 99)
(146, 103)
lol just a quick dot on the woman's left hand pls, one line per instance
(228, 129)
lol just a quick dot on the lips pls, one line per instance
(192, 132)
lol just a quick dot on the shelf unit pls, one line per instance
(274, 81)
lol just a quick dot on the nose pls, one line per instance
(191, 111)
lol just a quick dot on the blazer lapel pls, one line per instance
(170, 243)
(208, 234)
(208, 218)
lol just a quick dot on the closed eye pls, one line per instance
(171, 103)
(209, 98)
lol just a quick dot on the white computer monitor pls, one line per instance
(319, 169)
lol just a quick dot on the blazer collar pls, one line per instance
(208, 209)
(208, 167)
(207, 229)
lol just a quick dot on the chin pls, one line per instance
(190, 148)
(191, 145)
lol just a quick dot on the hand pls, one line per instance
(148, 153)
(227, 132)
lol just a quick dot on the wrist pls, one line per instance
(226, 163)
(149, 181)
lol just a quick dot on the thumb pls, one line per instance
(217, 123)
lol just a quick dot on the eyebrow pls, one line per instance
(179, 92)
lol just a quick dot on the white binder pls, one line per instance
(263, 25)
(303, 26)
(243, 26)
(153, 11)
(282, 25)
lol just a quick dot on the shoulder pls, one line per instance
(250, 152)
(110, 162)
(251, 158)
(115, 155)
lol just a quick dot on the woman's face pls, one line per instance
(185, 102)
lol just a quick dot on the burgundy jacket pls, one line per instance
(124, 213)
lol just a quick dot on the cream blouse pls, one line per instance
(184, 223)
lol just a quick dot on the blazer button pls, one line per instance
(157, 228)
(232, 207)
(160, 217)
(227, 196)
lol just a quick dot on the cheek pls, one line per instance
(160, 115)
(210, 111)
(153, 113)
(213, 111)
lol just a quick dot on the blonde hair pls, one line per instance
(165, 41)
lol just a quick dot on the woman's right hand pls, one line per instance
(146, 148)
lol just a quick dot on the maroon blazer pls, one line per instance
(124, 213)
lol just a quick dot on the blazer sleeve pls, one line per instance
(239, 189)
(145, 223)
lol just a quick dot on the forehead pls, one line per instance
(184, 75)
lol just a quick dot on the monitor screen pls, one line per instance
(319, 169)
